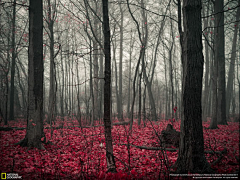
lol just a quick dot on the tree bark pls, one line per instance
(206, 92)
(219, 50)
(95, 69)
(230, 81)
(191, 156)
(11, 112)
(35, 77)
(107, 90)
(52, 88)
(120, 66)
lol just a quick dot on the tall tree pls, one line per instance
(219, 84)
(107, 89)
(219, 52)
(206, 92)
(35, 77)
(11, 112)
(191, 156)
(144, 45)
(230, 81)
(120, 64)
(95, 66)
(52, 89)
(238, 75)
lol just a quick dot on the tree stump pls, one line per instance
(170, 137)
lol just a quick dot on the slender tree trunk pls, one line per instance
(238, 76)
(144, 44)
(116, 77)
(95, 71)
(139, 98)
(130, 75)
(171, 73)
(63, 87)
(107, 90)
(120, 65)
(6, 92)
(52, 93)
(11, 112)
(205, 103)
(91, 87)
(232, 64)
(101, 84)
(166, 89)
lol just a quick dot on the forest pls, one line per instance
(119, 89)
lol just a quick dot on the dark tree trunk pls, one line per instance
(191, 156)
(107, 90)
(35, 77)
(52, 88)
(219, 50)
(140, 99)
(11, 112)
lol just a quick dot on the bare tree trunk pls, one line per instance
(63, 88)
(5, 91)
(219, 99)
(35, 77)
(95, 70)
(191, 158)
(205, 102)
(144, 44)
(219, 49)
(130, 75)
(116, 77)
(238, 76)
(11, 112)
(120, 66)
(91, 87)
(140, 98)
(101, 84)
(166, 89)
(107, 90)
(52, 88)
(232, 64)
(171, 72)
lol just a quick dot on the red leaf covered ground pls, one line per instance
(79, 153)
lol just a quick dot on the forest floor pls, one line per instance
(79, 153)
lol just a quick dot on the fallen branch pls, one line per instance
(60, 127)
(151, 148)
(6, 128)
(173, 149)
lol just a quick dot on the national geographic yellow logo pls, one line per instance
(10, 176)
(3, 176)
